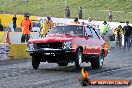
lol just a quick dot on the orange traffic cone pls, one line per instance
(7, 38)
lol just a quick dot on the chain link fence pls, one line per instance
(57, 9)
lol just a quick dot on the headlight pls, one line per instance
(31, 46)
(67, 45)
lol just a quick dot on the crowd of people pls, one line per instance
(120, 33)
(127, 31)
(80, 13)
(68, 13)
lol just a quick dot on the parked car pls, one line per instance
(69, 43)
(36, 26)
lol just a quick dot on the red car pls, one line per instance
(70, 43)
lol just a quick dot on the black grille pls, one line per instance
(56, 45)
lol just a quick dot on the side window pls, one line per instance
(79, 31)
(95, 35)
(88, 31)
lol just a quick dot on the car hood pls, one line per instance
(52, 38)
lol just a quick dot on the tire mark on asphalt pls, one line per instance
(66, 79)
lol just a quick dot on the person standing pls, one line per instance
(11, 29)
(80, 13)
(14, 19)
(127, 31)
(1, 26)
(90, 21)
(118, 35)
(104, 29)
(110, 14)
(45, 26)
(26, 25)
(104, 32)
(75, 21)
(67, 12)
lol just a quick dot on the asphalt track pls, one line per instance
(20, 74)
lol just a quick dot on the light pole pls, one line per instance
(5, 7)
(65, 7)
(25, 5)
(65, 3)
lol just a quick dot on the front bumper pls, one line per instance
(48, 50)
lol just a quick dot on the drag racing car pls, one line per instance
(67, 44)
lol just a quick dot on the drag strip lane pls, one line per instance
(20, 74)
(48, 75)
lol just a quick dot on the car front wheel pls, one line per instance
(78, 58)
(35, 62)
(98, 62)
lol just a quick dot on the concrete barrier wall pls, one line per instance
(2, 34)
(13, 51)
(18, 51)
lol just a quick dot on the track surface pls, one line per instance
(20, 74)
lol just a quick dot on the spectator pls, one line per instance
(89, 21)
(110, 14)
(104, 29)
(45, 26)
(75, 21)
(80, 13)
(104, 32)
(11, 29)
(26, 25)
(118, 35)
(1, 26)
(67, 12)
(14, 22)
(127, 31)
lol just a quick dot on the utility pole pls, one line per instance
(65, 3)
(5, 6)
(26, 5)
(65, 7)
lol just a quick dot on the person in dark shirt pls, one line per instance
(75, 21)
(67, 12)
(127, 31)
(1, 26)
(110, 14)
(14, 19)
(80, 13)
(118, 35)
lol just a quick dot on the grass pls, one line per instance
(91, 8)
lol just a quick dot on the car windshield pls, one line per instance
(73, 30)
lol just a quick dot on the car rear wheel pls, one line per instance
(78, 58)
(98, 62)
(35, 62)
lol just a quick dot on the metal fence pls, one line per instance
(57, 9)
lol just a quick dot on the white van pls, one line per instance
(36, 26)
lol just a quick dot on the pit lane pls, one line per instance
(20, 74)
